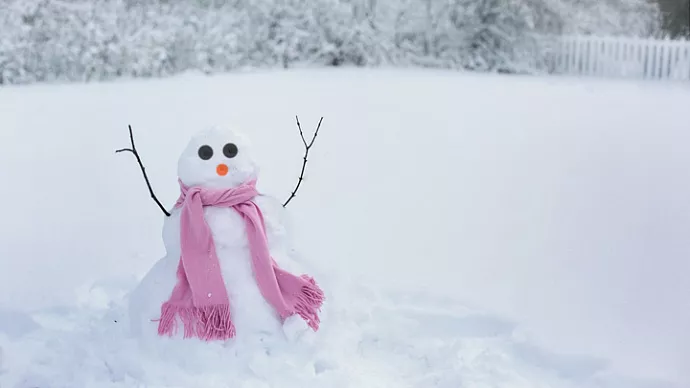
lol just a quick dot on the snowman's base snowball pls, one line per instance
(295, 338)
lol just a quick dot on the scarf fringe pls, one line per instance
(309, 302)
(207, 323)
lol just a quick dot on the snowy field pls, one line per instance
(469, 230)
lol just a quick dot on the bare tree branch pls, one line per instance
(307, 146)
(133, 150)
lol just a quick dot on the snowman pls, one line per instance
(224, 276)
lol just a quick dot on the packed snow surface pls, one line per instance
(468, 230)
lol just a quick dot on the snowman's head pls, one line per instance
(217, 158)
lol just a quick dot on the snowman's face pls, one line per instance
(216, 158)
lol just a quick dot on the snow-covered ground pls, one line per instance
(470, 230)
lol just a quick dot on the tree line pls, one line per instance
(85, 40)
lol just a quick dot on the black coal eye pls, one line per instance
(230, 150)
(205, 152)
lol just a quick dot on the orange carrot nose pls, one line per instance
(222, 169)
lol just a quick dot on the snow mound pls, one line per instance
(368, 339)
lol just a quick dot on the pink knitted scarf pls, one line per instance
(199, 298)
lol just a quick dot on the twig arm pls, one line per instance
(133, 150)
(307, 147)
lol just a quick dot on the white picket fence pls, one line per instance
(621, 57)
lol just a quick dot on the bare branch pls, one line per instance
(316, 133)
(307, 146)
(301, 134)
(133, 150)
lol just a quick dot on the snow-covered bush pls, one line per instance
(84, 40)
